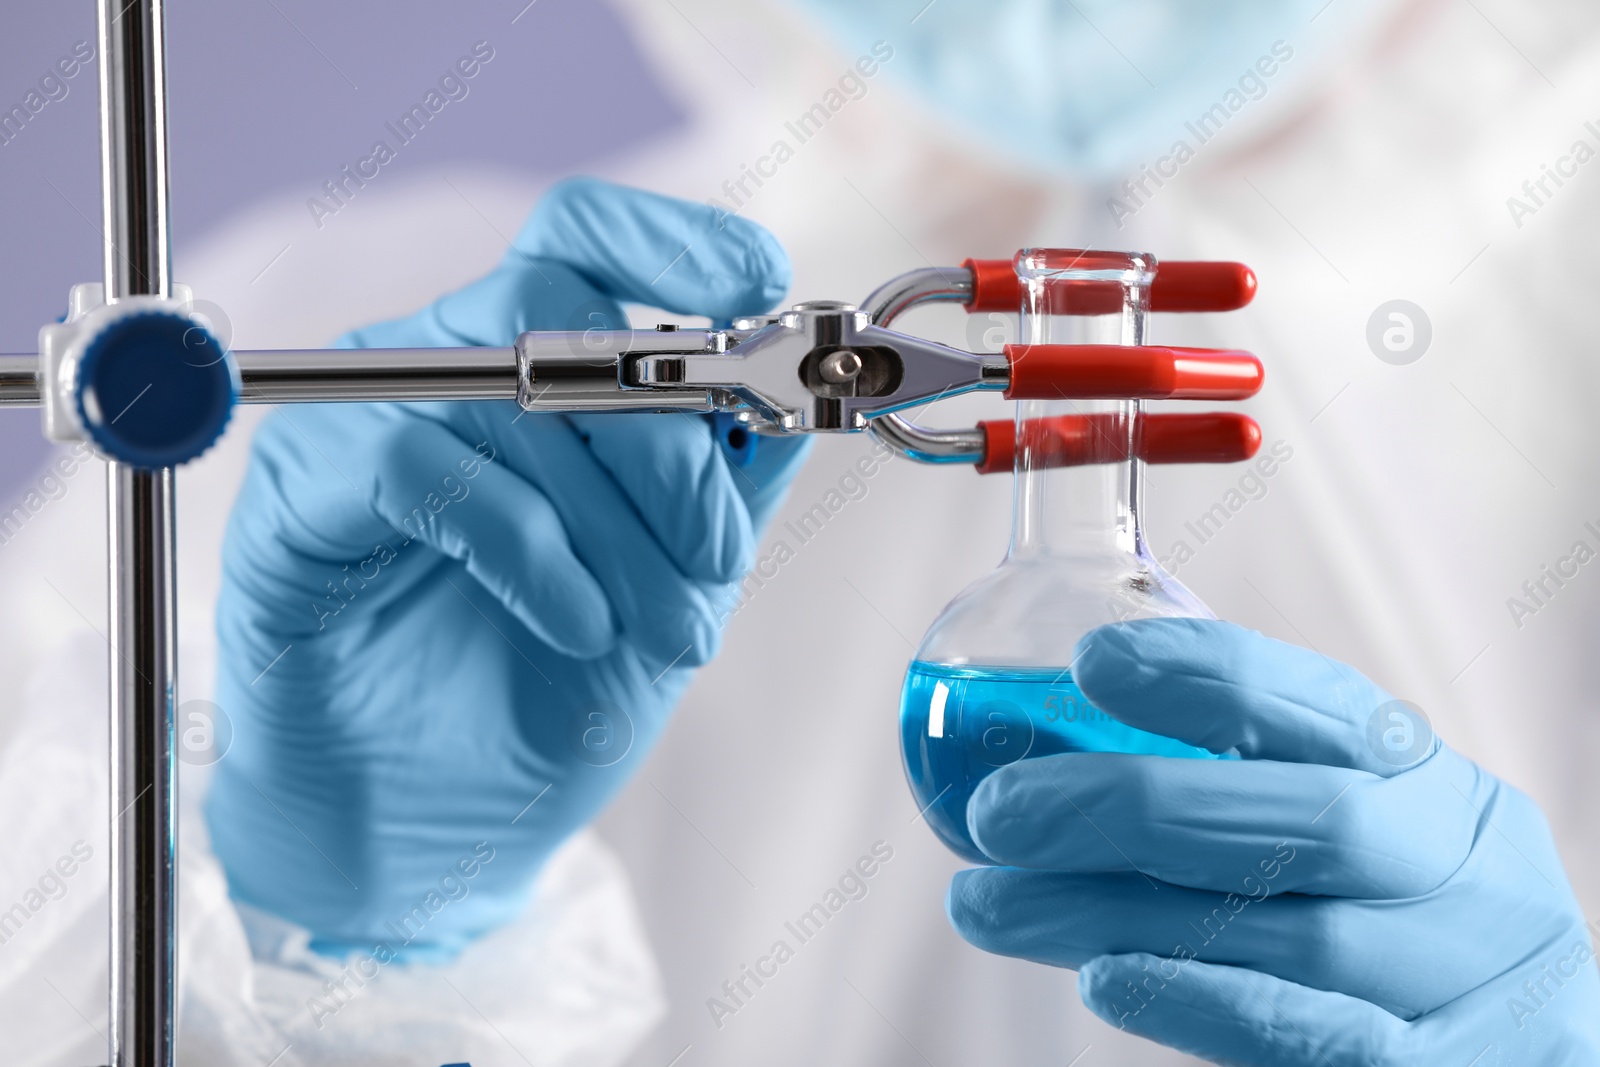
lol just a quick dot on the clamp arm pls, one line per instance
(820, 367)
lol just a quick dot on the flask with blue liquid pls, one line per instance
(992, 681)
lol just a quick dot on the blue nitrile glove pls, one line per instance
(450, 631)
(1349, 892)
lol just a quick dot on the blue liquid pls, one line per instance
(958, 724)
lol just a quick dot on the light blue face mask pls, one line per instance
(1096, 88)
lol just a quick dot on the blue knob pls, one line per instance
(155, 389)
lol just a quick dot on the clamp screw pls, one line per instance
(838, 368)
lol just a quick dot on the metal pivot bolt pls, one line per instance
(839, 367)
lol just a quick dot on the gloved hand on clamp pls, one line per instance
(449, 631)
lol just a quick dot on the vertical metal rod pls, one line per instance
(142, 560)
(133, 147)
(143, 828)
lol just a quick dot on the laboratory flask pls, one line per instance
(991, 682)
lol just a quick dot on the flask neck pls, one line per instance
(1092, 508)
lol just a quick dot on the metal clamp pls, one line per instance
(822, 366)
(141, 379)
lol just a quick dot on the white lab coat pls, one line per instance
(1418, 500)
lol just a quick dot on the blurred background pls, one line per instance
(1419, 497)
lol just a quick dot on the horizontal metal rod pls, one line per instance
(19, 381)
(272, 376)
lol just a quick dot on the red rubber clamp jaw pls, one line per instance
(1187, 286)
(1125, 372)
(995, 286)
(1078, 440)
(1181, 286)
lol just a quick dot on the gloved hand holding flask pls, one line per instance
(1349, 891)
